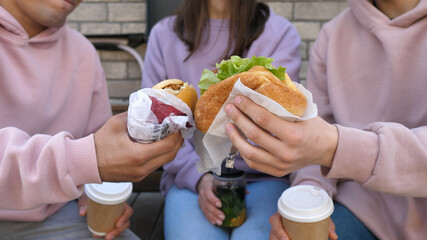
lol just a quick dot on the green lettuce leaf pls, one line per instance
(207, 79)
(234, 65)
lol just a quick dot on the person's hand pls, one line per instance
(278, 232)
(208, 202)
(121, 159)
(283, 146)
(122, 222)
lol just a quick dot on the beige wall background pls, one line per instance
(129, 16)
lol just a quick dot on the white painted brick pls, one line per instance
(122, 88)
(126, 12)
(89, 12)
(303, 50)
(133, 27)
(343, 5)
(102, 1)
(115, 56)
(307, 30)
(115, 70)
(134, 71)
(100, 28)
(129, 16)
(74, 26)
(316, 10)
(310, 47)
(282, 9)
(303, 70)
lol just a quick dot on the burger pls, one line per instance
(154, 113)
(182, 90)
(256, 73)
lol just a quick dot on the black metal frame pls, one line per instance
(111, 41)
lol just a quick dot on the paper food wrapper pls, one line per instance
(214, 146)
(143, 124)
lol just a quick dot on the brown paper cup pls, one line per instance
(102, 218)
(312, 231)
(305, 212)
(106, 203)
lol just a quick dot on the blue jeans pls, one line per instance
(185, 220)
(348, 226)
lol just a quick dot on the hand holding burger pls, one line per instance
(255, 78)
(156, 112)
(256, 73)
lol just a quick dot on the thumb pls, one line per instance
(82, 204)
(332, 234)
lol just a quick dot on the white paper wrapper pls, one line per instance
(142, 122)
(214, 146)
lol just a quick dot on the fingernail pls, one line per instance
(228, 109)
(228, 128)
(109, 237)
(82, 210)
(218, 222)
(213, 222)
(221, 216)
(237, 100)
(218, 204)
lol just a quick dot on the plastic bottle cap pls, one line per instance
(109, 193)
(305, 203)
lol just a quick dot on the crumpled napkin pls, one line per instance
(214, 146)
(143, 123)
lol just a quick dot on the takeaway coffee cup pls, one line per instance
(305, 212)
(106, 202)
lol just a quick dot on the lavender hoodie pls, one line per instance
(53, 95)
(165, 59)
(368, 74)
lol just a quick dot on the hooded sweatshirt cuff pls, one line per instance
(311, 175)
(356, 155)
(82, 162)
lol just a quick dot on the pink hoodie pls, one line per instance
(368, 74)
(53, 95)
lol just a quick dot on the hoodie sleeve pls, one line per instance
(44, 169)
(393, 159)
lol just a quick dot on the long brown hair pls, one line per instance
(247, 20)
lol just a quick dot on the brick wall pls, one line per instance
(129, 16)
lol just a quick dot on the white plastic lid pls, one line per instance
(305, 203)
(109, 193)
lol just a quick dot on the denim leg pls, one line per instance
(261, 204)
(66, 224)
(348, 226)
(185, 221)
